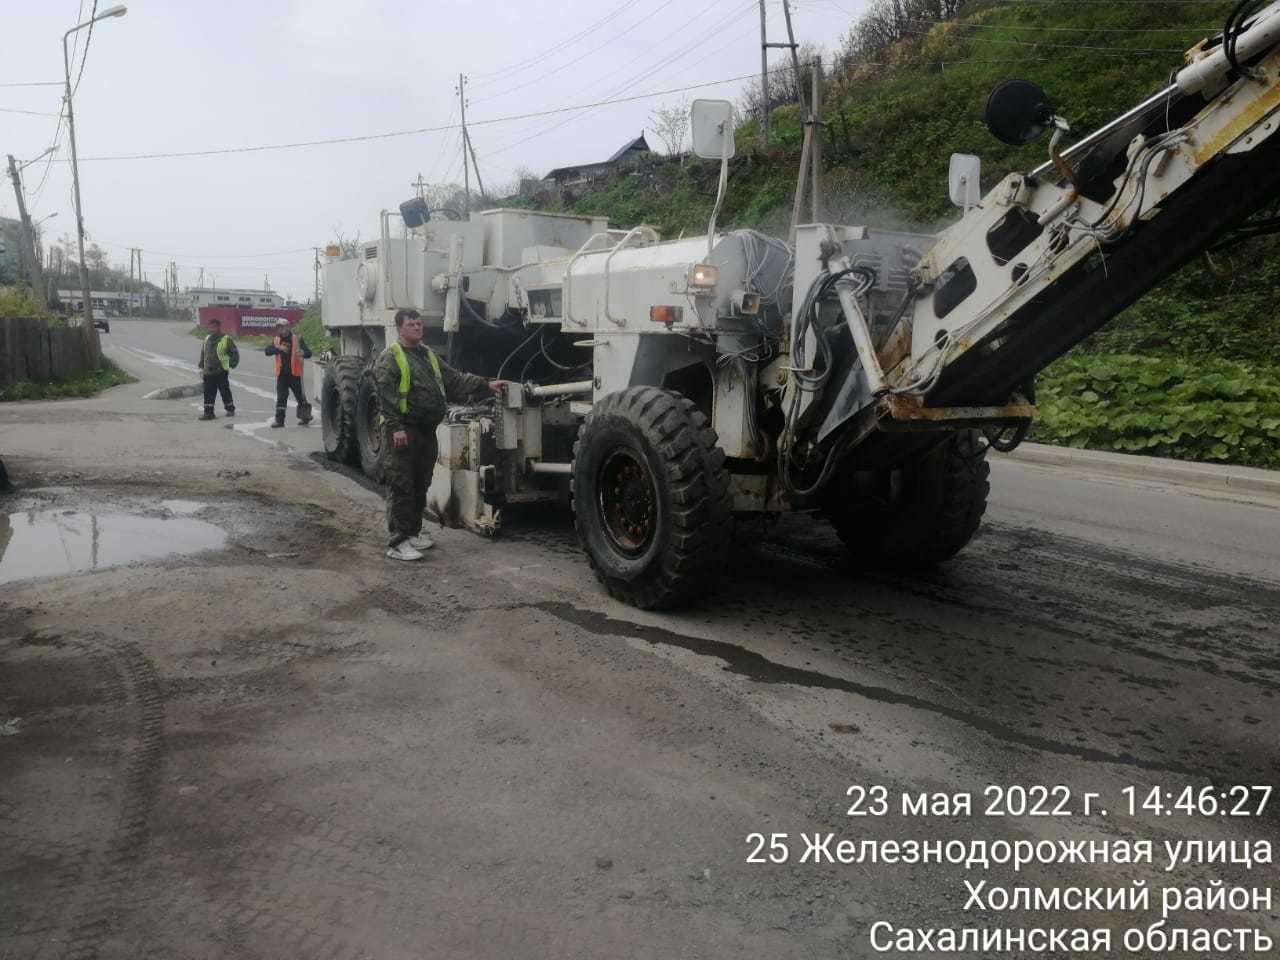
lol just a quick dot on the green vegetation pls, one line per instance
(1209, 410)
(314, 333)
(16, 301)
(85, 386)
(890, 128)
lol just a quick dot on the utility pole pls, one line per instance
(200, 282)
(764, 78)
(466, 172)
(795, 57)
(475, 164)
(30, 257)
(419, 186)
(816, 122)
(317, 268)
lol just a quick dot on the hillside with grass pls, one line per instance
(1191, 371)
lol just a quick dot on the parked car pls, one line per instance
(101, 324)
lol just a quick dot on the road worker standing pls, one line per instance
(218, 354)
(290, 350)
(414, 386)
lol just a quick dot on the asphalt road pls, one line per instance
(304, 750)
(170, 346)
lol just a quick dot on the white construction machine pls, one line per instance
(666, 387)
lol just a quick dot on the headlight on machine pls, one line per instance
(703, 276)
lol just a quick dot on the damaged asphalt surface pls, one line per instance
(281, 745)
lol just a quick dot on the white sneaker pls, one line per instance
(421, 542)
(403, 551)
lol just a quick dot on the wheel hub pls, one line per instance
(628, 502)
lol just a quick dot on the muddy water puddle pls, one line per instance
(46, 542)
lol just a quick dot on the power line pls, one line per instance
(84, 58)
(206, 256)
(608, 101)
(34, 83)
(648, 71)
(30, 113)
(565, 66)
(1115, 51)
(1000, 26)
(543, 54)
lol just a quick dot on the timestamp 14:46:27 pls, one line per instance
(1234, 801)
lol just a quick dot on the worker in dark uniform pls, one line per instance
(290, 350)
(218, 354)
(413, 387)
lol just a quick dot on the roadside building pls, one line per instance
(106, 303)
(625, 156)
(248, 319)
(189, 302)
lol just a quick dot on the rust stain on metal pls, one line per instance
(1251, 116)
(913, 408)
(897, 347)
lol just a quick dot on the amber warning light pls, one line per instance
(667, 315)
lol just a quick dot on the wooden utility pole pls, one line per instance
(466, 171)
(419, 187)
(810, 155)
(815, 121)
(795, 56)
(316, 267)
(475, 164)
(30, 256)
(764, 79)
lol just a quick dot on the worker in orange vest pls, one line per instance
(290, 350)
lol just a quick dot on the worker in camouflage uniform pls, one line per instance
(413, 387)
(218, 354)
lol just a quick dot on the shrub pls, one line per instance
(1216, 410)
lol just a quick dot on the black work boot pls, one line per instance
(208, 414)
(304, 414)
(231, 410)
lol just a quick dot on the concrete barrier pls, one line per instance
(30, 349)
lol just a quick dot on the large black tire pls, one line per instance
(338, 409)
(369, 428)
(919, 515)
(652, 504)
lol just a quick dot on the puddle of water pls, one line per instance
(183, 508)
(51, 543)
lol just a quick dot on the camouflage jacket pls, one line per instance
(426, 405)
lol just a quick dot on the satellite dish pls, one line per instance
(1018, 112)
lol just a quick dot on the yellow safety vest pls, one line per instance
(403, 363)
(220, 348)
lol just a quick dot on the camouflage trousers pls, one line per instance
(408, 475)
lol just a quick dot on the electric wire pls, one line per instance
(542, 55)
(566, 65)
(1029, 26)
(84, 57)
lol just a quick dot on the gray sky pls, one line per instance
(183, 76)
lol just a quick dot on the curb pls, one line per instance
(1181, 472)
(175, 393)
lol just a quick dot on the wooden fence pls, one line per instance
(30, 349)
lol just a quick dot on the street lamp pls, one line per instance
(23, 166)
(117, 11)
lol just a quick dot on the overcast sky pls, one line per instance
(184, 76)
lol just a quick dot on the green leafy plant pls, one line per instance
(1213, 410)
(84, 386)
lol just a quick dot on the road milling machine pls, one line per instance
(665, 388)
